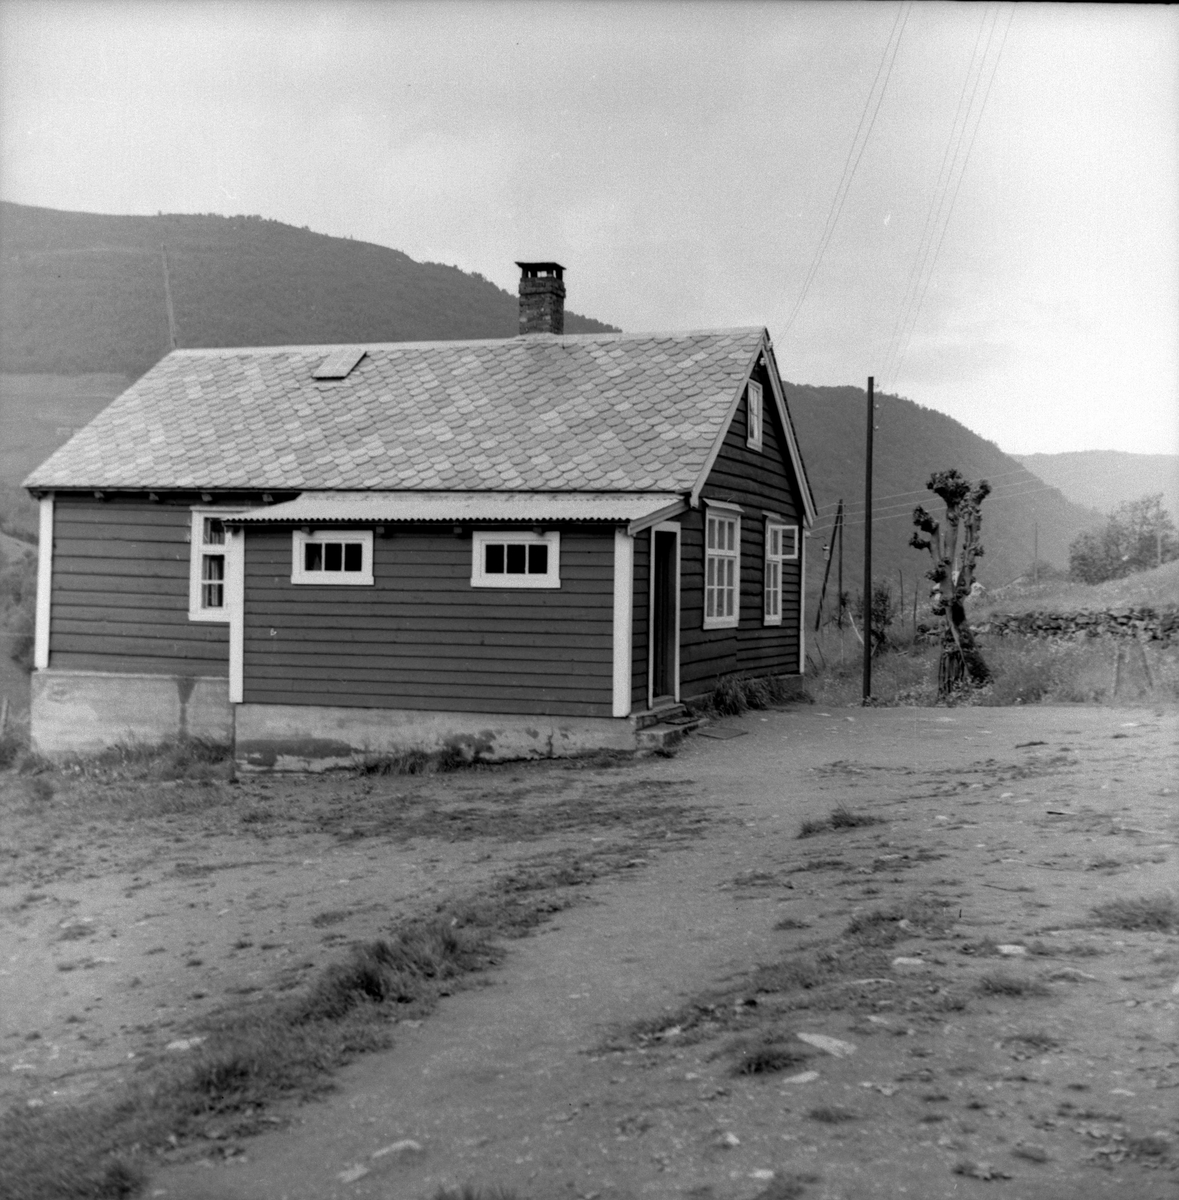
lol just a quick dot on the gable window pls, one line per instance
(515, 559)
(209, 566)
(754, 415)
(722, 568)
(332, 556)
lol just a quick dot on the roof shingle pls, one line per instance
(595, 412)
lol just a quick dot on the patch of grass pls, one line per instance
(1000, 983)
(883, 927)
(737, 694)
(13, 744)
(841, 817)
(791, 923)
(765, 1054)
(832, 1114)
(413, 762)
(1157, 912)
(468, 1192)
(790, 1186)
(174, 759)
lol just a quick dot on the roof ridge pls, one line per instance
(520, 339)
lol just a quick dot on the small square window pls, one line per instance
(332, 557)
(515, 559)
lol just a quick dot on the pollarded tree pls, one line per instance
(954, 550)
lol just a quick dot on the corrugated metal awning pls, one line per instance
(637, 510)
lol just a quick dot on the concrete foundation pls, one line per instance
(80, 712)
(297, 737)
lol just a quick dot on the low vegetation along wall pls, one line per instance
(1150, 624)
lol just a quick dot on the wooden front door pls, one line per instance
(664, 614)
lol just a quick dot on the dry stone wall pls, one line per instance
(1149, 624)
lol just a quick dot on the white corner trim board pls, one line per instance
(235, 603)
(44, 584)
(624, 561)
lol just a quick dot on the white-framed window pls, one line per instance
(722, 567)
(753, 415)
(515, 558)
(332, 556)
(209, 565)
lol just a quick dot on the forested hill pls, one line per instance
(84, 292)
(911, 442)
(1107, 478)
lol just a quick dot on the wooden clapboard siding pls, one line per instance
(120, 590)
(759, 481)
(640, 617)
(422, 637)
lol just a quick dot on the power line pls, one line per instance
(924, 491)
(905, 509)
(954, 198)
(853, 158)
(935, 202)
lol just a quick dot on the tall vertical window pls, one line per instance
(722, 569)
(208, 572)
(781, 545)
(753, 415)
(772, 613)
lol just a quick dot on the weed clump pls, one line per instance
(765, 1055)
(467, 1192)
(413, 762)
(786, 1187)
(841, 817)
(1000, 983)
(832, 1114)
(737, 694)
(1159, 912)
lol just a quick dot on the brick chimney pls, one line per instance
(542, 297)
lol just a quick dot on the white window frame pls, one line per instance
(724, 515)
(199, 550)
(754, 415)
(301, 538)
(772, 589)
(481, 578)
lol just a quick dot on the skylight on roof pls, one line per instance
(339, 363)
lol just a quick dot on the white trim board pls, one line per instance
(235, 603)
(624, 564)
(44, 583)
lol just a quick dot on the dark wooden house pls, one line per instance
(531, 546)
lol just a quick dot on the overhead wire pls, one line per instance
(941, 184)
(852, 161)
(912, 324)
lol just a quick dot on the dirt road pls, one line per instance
(991, 1036)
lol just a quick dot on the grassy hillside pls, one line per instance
(1104, 479)
(1156, 588)
(84, 292)
(910, 443)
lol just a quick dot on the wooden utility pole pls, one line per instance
(868, 545)
(1035, 551)
(168, 300)
(835, 531)
(839, 580)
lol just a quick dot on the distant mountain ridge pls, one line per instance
(910, 443)
(1103, 479)
(84, 292)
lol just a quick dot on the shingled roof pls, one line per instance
(594, 412)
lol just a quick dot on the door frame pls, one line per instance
(672, 527)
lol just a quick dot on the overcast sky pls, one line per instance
(682, 161)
